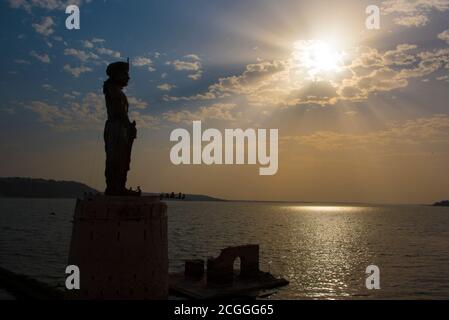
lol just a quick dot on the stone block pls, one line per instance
(120, 246)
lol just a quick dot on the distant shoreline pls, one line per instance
(444, 203)
(311, 203)
(31, 188)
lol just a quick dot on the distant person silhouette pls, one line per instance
(119, 132)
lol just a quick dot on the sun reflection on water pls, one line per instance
(328, 251)
(326, 209)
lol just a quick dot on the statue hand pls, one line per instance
(133, 130)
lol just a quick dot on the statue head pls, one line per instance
(118, 72)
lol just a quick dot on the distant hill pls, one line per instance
(200, 197)
(41, 188)
(444, 203)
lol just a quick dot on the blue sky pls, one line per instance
(380, 108)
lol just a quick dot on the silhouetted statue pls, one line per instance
(119, 132)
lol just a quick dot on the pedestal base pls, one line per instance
(120, 246)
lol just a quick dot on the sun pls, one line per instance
(318, 58)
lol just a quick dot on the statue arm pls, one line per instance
(117, 106)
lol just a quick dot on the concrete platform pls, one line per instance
(239, 288)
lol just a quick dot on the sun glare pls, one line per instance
(318, 57)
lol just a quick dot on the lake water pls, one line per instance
(322, 250)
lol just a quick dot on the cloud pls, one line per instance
(397, 68)
(218, 111)
(28, 5)
(76, 71)
(443, 78)
(142, 62)
(45, 27)
(89, 113)
(254, 83)
(21, 61)
(413, 13)
(87, 44)
(408, 136)
(86, 113)
(191, 62)
(137, 103)
(80, 54)
(261, 83)
(284, 83)
(48, 87)
(180, 65)
(8, 110)
(71, 95)
(193, 57)
(109, 52)
(444, 36)
(166, 87)
(145, 121)
(44, 58)
(196, 76)
(400, 56)
(68, 96)
(411, 21)
(317, 92)
(98, 40)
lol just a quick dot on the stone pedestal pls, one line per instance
(120, 246)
